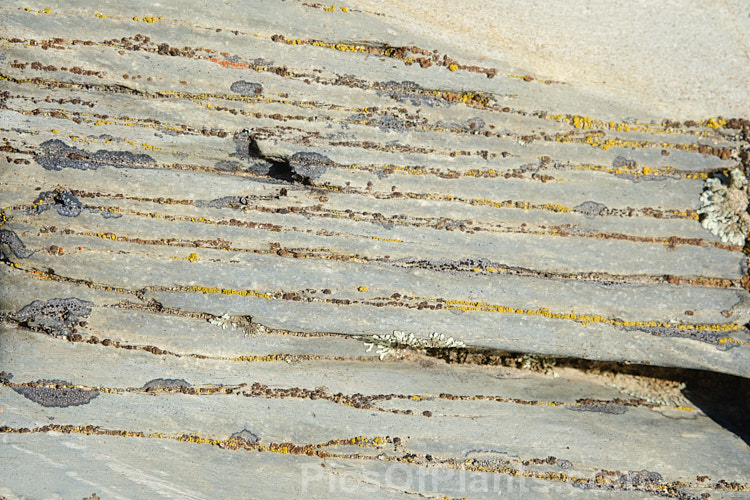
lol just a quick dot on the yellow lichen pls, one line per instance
(586, 319)
(148, 19)
(715, 123)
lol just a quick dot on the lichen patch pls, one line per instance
(56, 155)
(61, 200)
(724, 203)
(57, 317)
(15, 244)
(166, 384)
(55, 393)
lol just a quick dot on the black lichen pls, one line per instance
(66, 204)
(15, 244)
(228, 166)
(640, 478)
(56, 155)
(386, 123)
(475, 123)
(310, 165)
(613, 409)
(166, 383)
(57, 317)
(705, 336)
(633, 480)
(246, 88)
(469, 125)
(246, 148)
(61, 200)
(451, 266)
(55, 393)
(223, 202)
(408, 91)
(106, 213)
(622, 162)
(301, 168)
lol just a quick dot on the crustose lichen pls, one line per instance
(15, 244)
(398, 340)
(57, 317)
(724, 207)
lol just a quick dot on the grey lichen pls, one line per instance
(55, 317)
(61, 200)
(55, 393)
(162, 384)
(639, 478)
(246, 88)
(591, 208)
(724, 204)
(15, 244)
(245, 436)
(56, 155)
(267, 161)
(67, 205)
(310, 165)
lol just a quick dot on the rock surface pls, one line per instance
(215, 219)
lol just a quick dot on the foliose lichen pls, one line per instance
(724, 203)
(224, 322)
(391, 343)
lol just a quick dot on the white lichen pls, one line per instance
(724, 207)
(538, 363)
(224, 322)
(393, 343)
